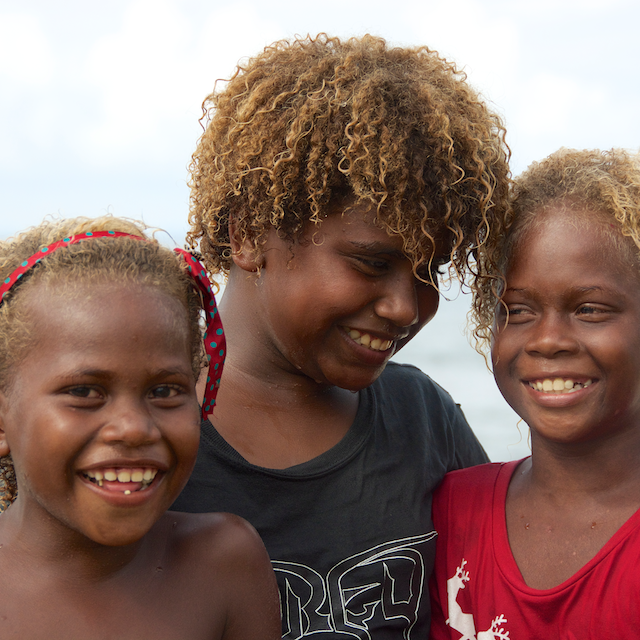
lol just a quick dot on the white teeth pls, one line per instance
(364, 339)
(559, 385)
(145, 476)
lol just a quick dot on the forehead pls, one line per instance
(362, 225)
(560, 235)
(86, 316)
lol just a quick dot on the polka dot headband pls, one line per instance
(214, 339)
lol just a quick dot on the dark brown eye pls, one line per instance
(83, 392)
(165, 391)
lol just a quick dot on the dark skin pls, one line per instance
(108, 387)
(192, 576)
(554, 532)
(574, 313)
(290, 383)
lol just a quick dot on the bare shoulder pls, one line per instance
(221, 557)
(214, 537)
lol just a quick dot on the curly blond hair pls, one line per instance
(311, 121)
(117, 259)
(601, 184)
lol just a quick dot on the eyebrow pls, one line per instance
(377, 247)
(105, 373)
(575, 291)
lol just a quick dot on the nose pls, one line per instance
(406, 301)
(551, 336)
(130, 423)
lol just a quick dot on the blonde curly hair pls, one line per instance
(604, 184)
(311, 121)
(117, 259)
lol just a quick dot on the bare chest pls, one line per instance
(34, 607)
(551, 544)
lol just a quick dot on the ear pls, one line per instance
(243, 250)
(4, 445)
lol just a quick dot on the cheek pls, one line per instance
(499, 362)
(428, 303)
(302, 309)
(185, 439)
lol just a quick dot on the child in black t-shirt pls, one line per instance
(333, 179)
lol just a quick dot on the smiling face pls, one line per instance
(568, 361)
(101, 416)
(337, 304)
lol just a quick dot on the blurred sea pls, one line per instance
(442, 351)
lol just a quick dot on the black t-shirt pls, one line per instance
(349, 533)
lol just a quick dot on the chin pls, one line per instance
(120, 534)
(358, 383)
(119, 538)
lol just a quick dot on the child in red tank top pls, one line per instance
(548, 547)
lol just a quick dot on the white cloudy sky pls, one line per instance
(99, 108)
(99, 101)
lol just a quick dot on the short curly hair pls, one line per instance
(604, 184)
(117, 259)
(312, 121)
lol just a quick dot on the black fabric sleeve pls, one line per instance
(468, 450)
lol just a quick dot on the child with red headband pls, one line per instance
(100, 347)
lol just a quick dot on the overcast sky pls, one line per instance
(99, 108)
(99, 102)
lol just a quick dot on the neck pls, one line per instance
(49, 547)
(589, 468)
(279, 425)
(274, 415)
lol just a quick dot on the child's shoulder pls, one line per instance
(409, 379)
(219, 560)
(482, 474)
(476, 483)
(213, 538)
(414, 394)
(465, 493)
